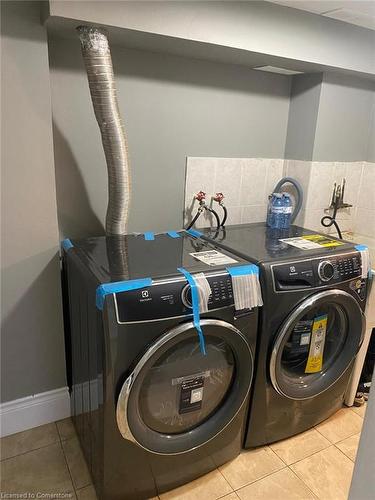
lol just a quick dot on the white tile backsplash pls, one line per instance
(365, 222)
(255, 213)
(228, 180)
(319, 192)
(367, 187)
(247, 182)
(253, 185)
(353, 175)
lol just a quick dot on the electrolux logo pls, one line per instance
(145, 296)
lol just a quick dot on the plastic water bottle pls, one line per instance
(287, 212)
(269, 210)
(277, 211)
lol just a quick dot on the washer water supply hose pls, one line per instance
(214, 213)
(219, 199)
(328, 221)
(225, 215)
(201, 198)
(298, 187)
(196, 217)
(98, 62)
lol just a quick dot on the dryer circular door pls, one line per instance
(316, 344)
(176, 399)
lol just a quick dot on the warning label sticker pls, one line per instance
(311, 242)
(315, 360)
(213, 258)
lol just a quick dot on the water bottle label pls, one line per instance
(277, 210)
(288, 210)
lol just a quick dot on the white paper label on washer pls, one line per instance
(305, 339)
(301, 243)
(213, 258)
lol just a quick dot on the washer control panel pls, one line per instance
(317, 272)
(221, 288)
(170, 298)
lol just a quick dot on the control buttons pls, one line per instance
(221, 293)
(326, 270)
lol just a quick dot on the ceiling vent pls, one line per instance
(280, 71)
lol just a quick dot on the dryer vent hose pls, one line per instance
(98, 62)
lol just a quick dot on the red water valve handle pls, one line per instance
(219, 197)
(201, 196)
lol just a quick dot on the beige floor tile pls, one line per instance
(32, 439)
(43, 470)
(283, 484)
(359, 410)
(250, 466)
(66, 428)
(231, 496)
(349, 446)
(328, 473)
(301, 446)
(341, 425)
(208, 487)
(76, 462)
(86, 493)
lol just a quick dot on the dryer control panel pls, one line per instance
(316, 272)
(170, 298)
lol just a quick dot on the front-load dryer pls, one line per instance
(151, 411)
(310, 327)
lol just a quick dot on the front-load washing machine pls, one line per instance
(151, 410)
(310, 327)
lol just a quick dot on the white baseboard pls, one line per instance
(25, 413)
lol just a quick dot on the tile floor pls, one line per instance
(315, 464)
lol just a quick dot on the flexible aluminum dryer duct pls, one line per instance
(98, 62)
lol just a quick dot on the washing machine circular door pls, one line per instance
(316, 344)
(177, 399)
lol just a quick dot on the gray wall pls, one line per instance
(344, 119)
(32, 349)
(173, 107)
(331, 118)
(303, 115)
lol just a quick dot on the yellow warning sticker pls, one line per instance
(321, 240)
(315, 360)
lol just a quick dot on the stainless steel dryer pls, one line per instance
(151, 411)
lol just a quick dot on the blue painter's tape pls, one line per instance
(361, 248)
(119, 286)
(149, 236)
(243, 270)
(195, 304)
(66, 244)
(194, 232)
(173, 234)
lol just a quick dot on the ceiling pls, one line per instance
(359, 12)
